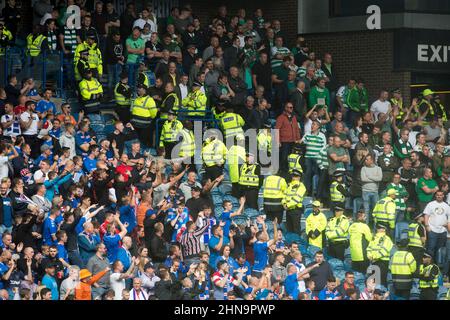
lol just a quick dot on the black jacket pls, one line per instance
(333, 84)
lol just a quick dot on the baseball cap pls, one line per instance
(196, 188)
(427, 92)
(196, 84)
(316, 203)
(149, 265)
(391, 192)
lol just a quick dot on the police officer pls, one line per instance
(250, 181)
(169, 133)
(426, 104)
(236, 156)
(214, 154)
(293, 202)
(95, 56)
(170, 101)
(219, 111)
(187, 148)
(440, 110)
(402, 266)
(379, 251)
(397, 102)
(195, 101)
(316, 224)
(294, 159)
(231, 123)
(337, 234)
(6, 38)
(338, 191)
(274, 191)
(91, 92)
(384, 211)
(417, 236)
(36, 42)
(143, 111)
(122, 94)
(82, 65)
(360, 237)
(264, 140)
(428, 278)
(144, 76)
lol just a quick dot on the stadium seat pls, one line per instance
(313, 249)
(336, 264)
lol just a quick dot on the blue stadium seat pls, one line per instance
(251, 213)
(291, 237)
(336, 264)
(307, 260)
(313, 249)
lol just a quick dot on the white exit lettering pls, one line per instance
(432, 53)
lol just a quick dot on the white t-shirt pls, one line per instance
(33, 129)
(439, 216)
(39, 175)
(379, 107)
(141, 23)
(3, 167)
(117, 285)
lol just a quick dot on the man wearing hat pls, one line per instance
(428, 278)
(84, 290)
(294, 159)
(94, 57)
(274, 191)
(385, 209)
(169, 134)
(426, 105)
(231, 123)
(337, 234)
(360, 236)
(143, 111)
(379, 251)
(264, 140)
(293, 202)
(236, 157)
(417, 236)
(195, 102)
(316, 224)
(397, 103)
(441, 111)
(402, 266)
(149, 278)
(250, 181)
(189, 57)
(338, 190)
(214, 154)
(122, 95)
(91, 92)
(144, 75)
(170, 101)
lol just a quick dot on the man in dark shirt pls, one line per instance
(12, 93)
(320, 274)
(122, 134)
(127, 19)
(196, 203)
(262, 75)
(69, 226)
(189, 57)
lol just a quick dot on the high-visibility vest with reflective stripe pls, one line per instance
(146, 80)
(34, 46)
(264, 142)
(444, 114)
(143, 110)
(413, 235)
(248, 176)
(218, 115)
(6, 36)
(425, 271)
(94, 58)
(231, 124)
(195, 103)
(430, 113)
(87, 89)
(403, 266)
(176, 105)
(380, 247)
(235, 157)
(337, 229)
(274, 188)
(335, 194)
(398, 103)
(213, 153)
(187, 148)
(294, 162)
(170, 131)
(121, 100)
(294, 195)
(380, 213)
(360, 237)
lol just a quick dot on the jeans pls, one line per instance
(435, 241)
(446, 270)
(132, 73)
(312, 170)
(369, 201)
(285, 150)
(114, 71)
(357, 204)
(75, 258)
(4, 228)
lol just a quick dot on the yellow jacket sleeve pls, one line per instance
(367, 233)
(323, 223)
(84, 91)
(240, 120)
(100, 63)
(412, 263)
